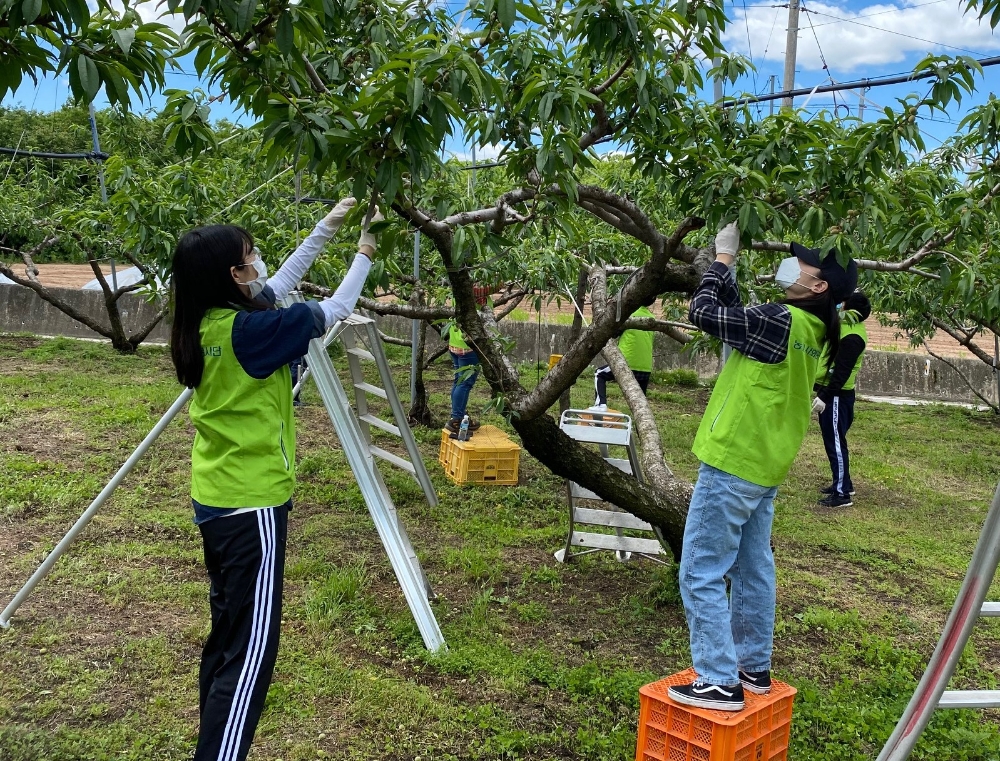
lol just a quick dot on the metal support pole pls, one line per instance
(114, 275)
(91, 511)
(773, 77)
(97, 149)
(861, 105)
(415, 331)
(717, 84)
(791, 45)
(956, 633)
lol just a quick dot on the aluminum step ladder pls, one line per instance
(361, 342)
(606, 429)
(969, 606)
(358, 450)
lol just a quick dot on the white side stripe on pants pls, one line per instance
(839, 486)
(260, 627)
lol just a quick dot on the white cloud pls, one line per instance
(861, 37)
(486, 153)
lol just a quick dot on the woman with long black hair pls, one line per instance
(752, 428)
(232, 346)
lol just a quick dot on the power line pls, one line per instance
(900, 34)
(881, 13)
(859, 83)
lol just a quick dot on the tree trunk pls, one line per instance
(420, 411)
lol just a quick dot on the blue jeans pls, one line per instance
(463, 382)
(728, 533)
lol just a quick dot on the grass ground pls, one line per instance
(544, 660)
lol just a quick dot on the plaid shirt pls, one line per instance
(759, 332)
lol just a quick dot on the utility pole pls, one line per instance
(100, 178)
(791, 44)
(773, 77)
(718, 81)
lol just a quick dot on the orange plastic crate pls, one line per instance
(669, 731)
(489, 457)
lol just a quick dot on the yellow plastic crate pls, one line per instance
(489, 457)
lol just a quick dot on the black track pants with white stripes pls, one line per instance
(245, 558)
(835, 421)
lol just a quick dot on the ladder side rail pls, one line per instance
(373, 490)
(328, 338)
(357, 374)
(420, 469)
(956, 634)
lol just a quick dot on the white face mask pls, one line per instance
(788, 272)
(257, 286)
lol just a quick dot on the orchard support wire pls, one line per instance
(91, 511)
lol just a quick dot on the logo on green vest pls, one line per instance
(212, 351)
(812, 351)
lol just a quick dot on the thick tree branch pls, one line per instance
(965, 379)
(963, 337)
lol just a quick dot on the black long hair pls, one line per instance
(200, 280)
(824, 306)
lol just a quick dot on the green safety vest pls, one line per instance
(758, 413)
(637, 345)
(456, 339)
(846, 329)
(244, 445)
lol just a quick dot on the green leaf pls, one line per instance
(90, 79)
(244, 15)
(124, 38)
(30, 10)
(285, 34)
(505, 12)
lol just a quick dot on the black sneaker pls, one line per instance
(704, 695)
(830, 490)
(758, 682)
(835, 500)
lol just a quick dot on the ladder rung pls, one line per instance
(612, 542)
(990, 609)
(396, 460)
(609, 518)
(380, 423)
(970, 699)
(374, 390)
(363, 353)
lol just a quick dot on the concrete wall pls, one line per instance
(884, 373)
(22, 311)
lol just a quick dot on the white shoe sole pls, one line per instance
(715, 705)
(754, 688)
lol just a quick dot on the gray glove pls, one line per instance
(728, 240)
(367, 239)
(335, 218)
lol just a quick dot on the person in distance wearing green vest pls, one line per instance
(752, 428)
(232, 346)
(637, 348)
(835, 388)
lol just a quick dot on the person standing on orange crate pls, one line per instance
(751, 431)
(466, 363)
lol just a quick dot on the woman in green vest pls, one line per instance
(232, 346)
(752, 428)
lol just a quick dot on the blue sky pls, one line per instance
(855, 39)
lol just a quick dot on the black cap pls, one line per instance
(842, 281)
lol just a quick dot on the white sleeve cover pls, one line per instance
(289, 275)
(341, 303)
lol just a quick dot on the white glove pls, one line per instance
(367, 239)
(336, 216)
(728, 240)
(819, 406)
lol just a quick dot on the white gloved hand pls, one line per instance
(336, 216)
(728, 240)
(367, 239)
(819, 406)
